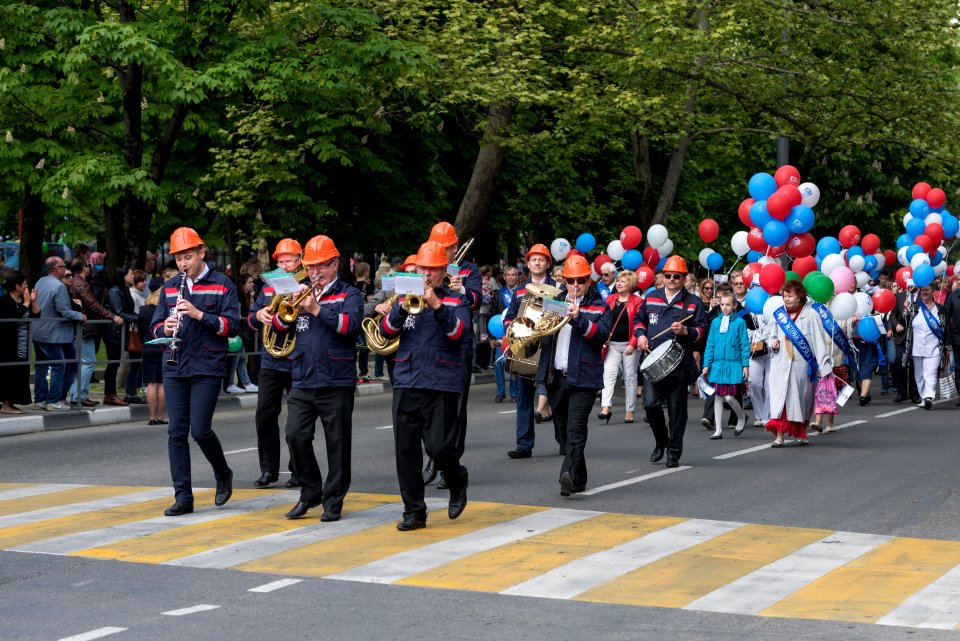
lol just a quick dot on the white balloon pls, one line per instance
(809, 194)
(857, 263)
(843, 306)
(881, 260)
(919, 259)
(863, 278)
(560, 247)
(766, 260)
(902, 257)
(615, 250)
(666, 248)
(942, 250)
(704, 253)
(831, 262)
(940, 268)
(933, 218)
(657, 236)
(594, 276)
(739, 243)
(956, 268)
(907, 217)
(773, 304)
(864, 304)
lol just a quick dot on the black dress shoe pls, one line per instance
(301, 508)
(498, 399)
(429, 473)
(224, 489)
(292, 482)
(566, 484)
(672, 462)
(657, 454)
(459, 501)
(538, 417)
(442, 483)
(411, 523)
(900, 399)
(178, 508)
(265, 480)
(330, 517)
(518, 453)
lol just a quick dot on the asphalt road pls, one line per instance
(885, 474)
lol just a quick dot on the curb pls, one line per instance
(74, 419)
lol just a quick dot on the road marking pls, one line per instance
(636, 479)
(276, 585)
(766, 446)
(405, 564)
(35, 490)
(895, 412)
(99, 633)
(202, 607)
(35, 516)
(576, 577)
(384, 427)
(63, 497)
(508, 412)
(935, 606)
(246, 449)
(761, 589)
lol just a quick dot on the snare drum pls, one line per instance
(662, 361)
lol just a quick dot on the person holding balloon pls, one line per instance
(927, 335)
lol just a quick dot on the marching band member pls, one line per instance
(670, 313)
(275, 377)
(199, 307)
(468, 284)
(377, 304)
(427, 380)
(324, 380)
(538, 262)
(572, 369)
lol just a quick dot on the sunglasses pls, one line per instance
(674, 276)
(68, 275)
(577, 281)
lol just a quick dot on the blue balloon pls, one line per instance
(936, 210)
(632, 259)
(776, 233)
(923, 275)
(905, 241)
(753, 256)
(868, 330)
(495, 326)
(761, 186)
(855, 251)
(919, 208)
(714, 261)
(660, 265)
(915, 227)
(586, 243)
(912, 251)
(935, 259)
(951, 226)
(869, 263)
(756, 298)
(828, 245)
(800, 219)
(649, 291)
(758, 214)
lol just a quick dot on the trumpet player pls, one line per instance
(323, 380)
(275, 377)
(200, 308)
(427, 381)
(377, 304)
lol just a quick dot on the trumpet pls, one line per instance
(269, 336)
(287, 311)
(376, 341)
(172, 359)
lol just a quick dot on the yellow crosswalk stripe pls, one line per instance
(14, 486)
(500, 568)
(66, 497)
(353, 550)
(871, 586)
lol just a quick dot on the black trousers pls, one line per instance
(906, 382)
(462, 415)
(334, 407)
(672, 393)
(429, 416)
(571, 407)
(273, 383)
(956, 356)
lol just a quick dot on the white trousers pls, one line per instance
(617, 358)
(757, 389)
(925, 372)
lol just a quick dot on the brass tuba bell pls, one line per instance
(288, 311)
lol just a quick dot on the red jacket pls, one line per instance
(633, 306)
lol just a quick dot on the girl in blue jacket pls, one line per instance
(726, 363)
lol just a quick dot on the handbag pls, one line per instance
(134, 344)
(758, 348)
(606, 343)
(946, 386)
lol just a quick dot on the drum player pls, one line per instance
(669, 314)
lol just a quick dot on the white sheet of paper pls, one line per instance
(720, 278)
(388, 283)
(408, 285)
(281, 281)
(706, 389)
(551, 306)
(844, 395)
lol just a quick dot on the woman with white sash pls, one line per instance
(925, 340)
(800, 354)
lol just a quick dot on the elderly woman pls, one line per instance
(621, 346)
(800, 354)
(927, 334)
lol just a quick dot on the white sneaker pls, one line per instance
(39, 406)
(235, 389)
(56, 407)
(251, 387)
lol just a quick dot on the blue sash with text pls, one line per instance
(799, 341)
(932, 322)
(830, 325)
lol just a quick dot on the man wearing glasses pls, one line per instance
(608, 276)
(670, 313)
(53, 338)
(739, 287)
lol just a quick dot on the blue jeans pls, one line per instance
(190, 404)
(61, 375)
(88, 357)
(498, 371)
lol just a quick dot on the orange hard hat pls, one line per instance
(541, 249)
(319, 249)
(411, 261)
(184, 238)
(287, 246)
(576, 267)
(676, 265)
(432, 254)
(445, 234)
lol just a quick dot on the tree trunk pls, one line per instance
(476, 201)
(31, 243)
(643, 177)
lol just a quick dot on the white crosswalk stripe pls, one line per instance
(35, 516)
(935, 606)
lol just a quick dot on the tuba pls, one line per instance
(529, 327)
(288, 311)
(376, 341)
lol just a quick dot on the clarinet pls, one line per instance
(172, 360)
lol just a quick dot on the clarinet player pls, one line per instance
(200, 308)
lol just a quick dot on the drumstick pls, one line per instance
(682, 320)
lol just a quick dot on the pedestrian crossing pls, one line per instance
(512, 550)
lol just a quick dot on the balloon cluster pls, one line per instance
(623, 250)
(920, 249)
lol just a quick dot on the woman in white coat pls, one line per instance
(791, 378)
(759, 330)
(925, 341)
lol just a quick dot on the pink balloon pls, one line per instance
(843, 279)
